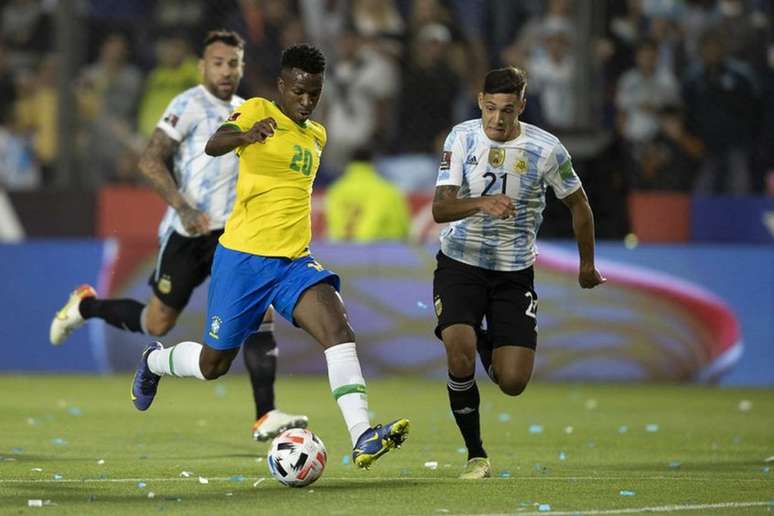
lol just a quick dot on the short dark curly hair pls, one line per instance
(227, 37)
(304, 57)
(511, 79)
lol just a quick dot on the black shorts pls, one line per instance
(182, 265)
(465, 294)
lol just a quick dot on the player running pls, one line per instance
(200, 196)
(491, 187)
(263, 256)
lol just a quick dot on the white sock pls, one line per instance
(348, 387)
(180, 360)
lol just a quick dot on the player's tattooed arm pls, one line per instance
(153, 165)
(447, 207)
(583, 227)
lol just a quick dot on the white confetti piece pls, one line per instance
(185, 474)
(151, 494)
(101, 462)
(769, 459)
(203, 480)
(568, 430)
(258, 482)
(591, 404)
(431, 464)
(652, 427)
(34, 503)
(744, 405)
(37, 469)
(544, 507)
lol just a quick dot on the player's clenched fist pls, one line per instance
(260, 131)
(499, 206)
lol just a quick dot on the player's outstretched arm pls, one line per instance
(448, 208)
(229, 137)
(583, 226)
(153, 166)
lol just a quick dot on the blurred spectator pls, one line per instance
(26, 29)
(108, 91)
(723, 109)
(670, 51)
(36, 114)
(361, 206)
(7, 86)
(18, 169)
(175, 71)
(530, 40)
(551, 76)
(642, 91)
(324, 21)
(428, 92)
(670, 159)
(744, 28)
(377, 17)
(360, 90)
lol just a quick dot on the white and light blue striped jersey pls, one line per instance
(520, 168)
(207, 183)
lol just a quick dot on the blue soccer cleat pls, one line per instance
(145, 383)
(378, 440)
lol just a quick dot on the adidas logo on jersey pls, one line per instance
(472, 161)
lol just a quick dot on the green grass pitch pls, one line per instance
(77, 442)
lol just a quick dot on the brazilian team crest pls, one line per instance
(438, 306)
(496, 156)
(165, 285)
(215, 324)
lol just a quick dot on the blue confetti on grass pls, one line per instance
(17, 450)
(141, 485)
(544, 507)
(504, 474)
(462, 450)
(765, 469)
(652, 427)
(57, 476)
(74, 411)
(58, 441)
(675, 465)
(626, 493)
(623, 429)
(562, 456)
(345, 460)
(536, 429)
(504, 417)
(237, 478)
(220, 390)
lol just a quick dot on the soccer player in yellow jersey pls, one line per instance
(263, 256)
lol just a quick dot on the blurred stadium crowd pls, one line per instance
(672, 95)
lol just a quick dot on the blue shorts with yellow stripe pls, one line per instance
(242, 287)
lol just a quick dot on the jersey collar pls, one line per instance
(215, 99)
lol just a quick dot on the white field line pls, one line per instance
(658, 508)
(194, 479)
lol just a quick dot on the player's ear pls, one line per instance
(200, 67)
(523, 104)
(481, 101)
(281, 85)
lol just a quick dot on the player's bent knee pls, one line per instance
(213, 371)
(159, 328)
(512, 385)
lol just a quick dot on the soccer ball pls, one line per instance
(297, 457)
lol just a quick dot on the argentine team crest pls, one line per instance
(215, 326)
(496, 156)
(165, 284)
(438, 306)
(520, 165)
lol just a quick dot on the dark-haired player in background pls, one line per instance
(200, 196)
(491, 187)
(263, 257)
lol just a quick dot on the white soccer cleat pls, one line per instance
(69, 318)
(274, 422)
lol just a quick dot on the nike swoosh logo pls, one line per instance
(375, 437)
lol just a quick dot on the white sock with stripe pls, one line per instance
(180, 360)
(348, 386)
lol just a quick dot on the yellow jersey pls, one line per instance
(273, 206)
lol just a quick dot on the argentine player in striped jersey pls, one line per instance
(491, 188)
(200, 196)
(263, 257)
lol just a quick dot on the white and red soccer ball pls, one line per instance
(297, 457)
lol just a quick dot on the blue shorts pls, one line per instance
(242, 287)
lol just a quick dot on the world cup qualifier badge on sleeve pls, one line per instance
(445, 160)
